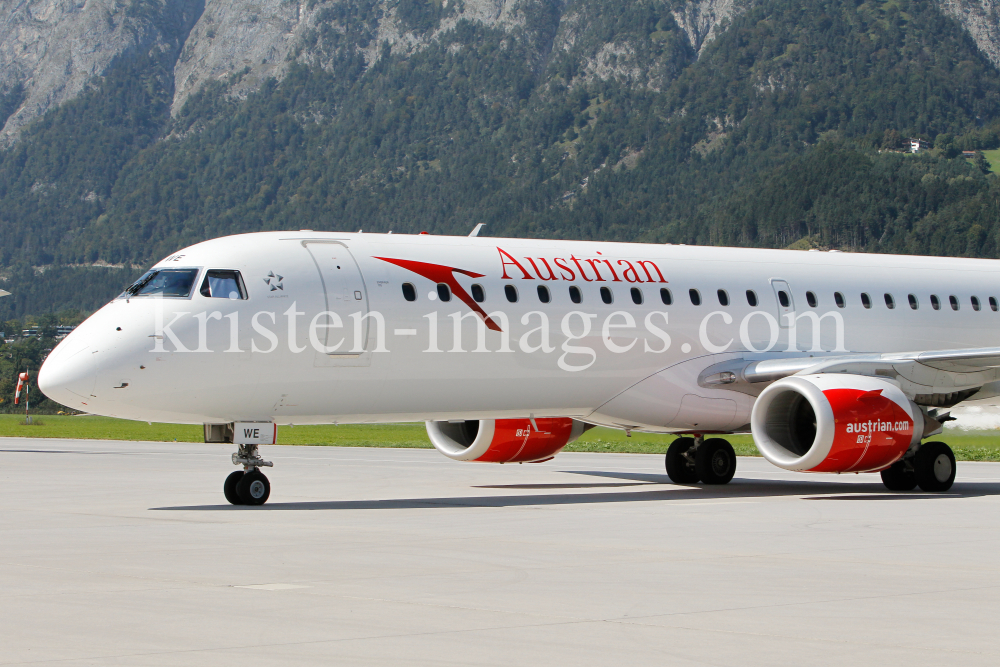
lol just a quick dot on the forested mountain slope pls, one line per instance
(713, 122)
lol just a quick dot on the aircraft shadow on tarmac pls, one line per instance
(662, 491)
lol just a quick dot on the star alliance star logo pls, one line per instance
(274, 281)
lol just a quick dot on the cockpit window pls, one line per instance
(221, 284)
(163, 282)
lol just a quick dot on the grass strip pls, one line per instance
(967, 445)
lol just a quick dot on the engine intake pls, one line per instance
(504, 440)
(834, 423)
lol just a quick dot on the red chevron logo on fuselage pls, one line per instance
(438, 273)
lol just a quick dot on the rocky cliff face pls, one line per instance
(702, 20)
(261, 37)
(981, 19)
(50, 49)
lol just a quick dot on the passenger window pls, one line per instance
(811, 299)
(752, 298)
(574, 294)
(866, 300)
(511, 292)
(783, 299)
(606, 295)
(543, 293)
(723, 297)
(890, 303)
(935, 303)
(975, 303)
(636, 296)
(993, 304)
(163, 282)
(839, 299)
(666, 297)
(223, 285)
(444, 293)
(913, 301)
(478, 293)
(953, 300)
(695, 297)
(410, 292)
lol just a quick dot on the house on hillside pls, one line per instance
(917, 145)
(969, 154)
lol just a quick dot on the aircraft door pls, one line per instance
(786, 306)
(345, 295)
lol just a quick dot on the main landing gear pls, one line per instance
(932, 468)
(690, 460)
(248, 486)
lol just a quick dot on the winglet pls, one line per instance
(475, 232)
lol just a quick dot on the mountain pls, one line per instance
(134, 128)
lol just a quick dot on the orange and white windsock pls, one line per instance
(21, 379)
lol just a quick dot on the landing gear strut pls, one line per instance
(932, 467)
(711, 461)
(248, 486)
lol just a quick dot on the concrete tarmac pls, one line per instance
(118, 553)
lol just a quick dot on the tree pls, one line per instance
(891, 140)
(981, 162)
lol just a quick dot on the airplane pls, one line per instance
(509, 349)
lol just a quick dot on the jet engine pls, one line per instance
(834, 423)
(504, 440)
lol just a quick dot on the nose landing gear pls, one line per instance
(248, 486)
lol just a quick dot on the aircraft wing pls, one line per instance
(4, 293)
(939, 378)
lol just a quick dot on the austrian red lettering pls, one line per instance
(545, 269)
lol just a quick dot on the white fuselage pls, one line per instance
(274, 356)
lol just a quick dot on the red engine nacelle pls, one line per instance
(504, 440)
(834, 423)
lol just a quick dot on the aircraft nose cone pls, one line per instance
(69, 377)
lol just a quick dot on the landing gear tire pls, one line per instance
(934, 467)
(715, 461)
(229, 488)
(899, 477)
(254, 488)
(680, 468)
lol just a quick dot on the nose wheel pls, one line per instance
(248, 486)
